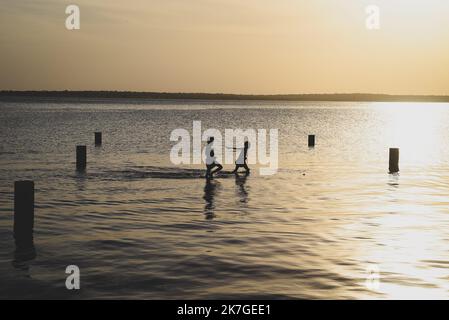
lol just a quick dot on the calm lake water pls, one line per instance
(140, 227)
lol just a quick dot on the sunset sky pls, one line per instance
(229, 46)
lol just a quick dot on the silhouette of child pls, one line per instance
(243, 157)
(211, 160)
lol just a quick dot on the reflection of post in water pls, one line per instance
(24, 221)
(393, 181)
(210, 190)
(240, 183)
(80, 180)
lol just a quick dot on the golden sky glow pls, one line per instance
(231, 46)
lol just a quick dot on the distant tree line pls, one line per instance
(56, 95)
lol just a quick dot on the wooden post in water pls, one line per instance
(394, 160)
(81, 157)
(98, 139)
(311, 140)
(23, 215)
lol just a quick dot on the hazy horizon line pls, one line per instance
(101, 94)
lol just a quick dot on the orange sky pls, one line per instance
(231, 46)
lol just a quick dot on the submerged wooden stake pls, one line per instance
(23, 214)
(98, 139)
(394, 160)
(81, 157)
(312, 140)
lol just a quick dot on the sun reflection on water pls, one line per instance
(416, 128)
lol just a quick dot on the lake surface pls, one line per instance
(138, 226)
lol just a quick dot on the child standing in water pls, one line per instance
(211, 160)
(243, 157)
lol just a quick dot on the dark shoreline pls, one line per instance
(80, 96)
